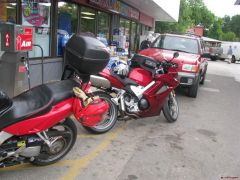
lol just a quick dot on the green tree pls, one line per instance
(216, 29)
(192, 12)
(229, 36)
(235, 25)
(226, 24)
(195, 12)
(184, 21)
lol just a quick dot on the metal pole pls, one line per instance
(41, 61)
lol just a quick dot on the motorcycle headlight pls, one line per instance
(190, 67)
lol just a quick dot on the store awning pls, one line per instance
(237, 2)
(210, 39)
(160, 10)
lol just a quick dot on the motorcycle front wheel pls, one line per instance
(65, 134)
(109, 119)
(170, 108)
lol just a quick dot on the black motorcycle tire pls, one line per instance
(167, 111)
(104, 126)
(72, 129)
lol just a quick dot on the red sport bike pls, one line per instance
(147, 89)
(36, 125)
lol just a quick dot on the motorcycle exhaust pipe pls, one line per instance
(99, 81)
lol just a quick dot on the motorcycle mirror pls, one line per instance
(145, 44)
(175, 55)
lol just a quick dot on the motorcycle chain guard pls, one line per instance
(91, 114)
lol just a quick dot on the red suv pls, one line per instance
(192, 60)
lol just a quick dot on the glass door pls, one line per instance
(103, 28)
(88, 20)
(67, 24)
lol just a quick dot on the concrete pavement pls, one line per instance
(203, 144)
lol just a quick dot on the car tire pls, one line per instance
(233, 60)
(193, 90)
(202, 81)
(213, 58)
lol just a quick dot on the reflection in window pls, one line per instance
(8, 11)
(7, 14)
(133, 37)
(88, 20)
(145, 29)
(103, 26)
(37, 14)
(67, 24)
(125, 30)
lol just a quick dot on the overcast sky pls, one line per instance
(222, 7)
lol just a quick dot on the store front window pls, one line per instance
(125, 32)
(67, 24)
(134, 37)
(8, 11)
(103, 27)
(88, 20)
(145, 29)
(36, 13)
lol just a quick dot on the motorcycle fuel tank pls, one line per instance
(140, 76)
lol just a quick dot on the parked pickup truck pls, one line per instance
(192, 60)
(214, 48)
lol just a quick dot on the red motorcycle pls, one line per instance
(147, 89)
(36, 126)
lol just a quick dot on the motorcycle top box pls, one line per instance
(86, 54)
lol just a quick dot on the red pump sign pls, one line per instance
(24, 40)
(15, 38)
(6, 39)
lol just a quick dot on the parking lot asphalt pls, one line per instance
(203, 144)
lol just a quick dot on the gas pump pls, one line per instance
(16, 41)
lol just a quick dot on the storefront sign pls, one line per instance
(24, 40)
(132, 13)
(106, 4)
(117, 6)
(146, 20)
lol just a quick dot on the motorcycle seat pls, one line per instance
(36, 101)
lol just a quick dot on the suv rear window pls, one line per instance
(176, 43)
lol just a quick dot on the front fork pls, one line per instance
(173, 94)
(119, 99)
(172, 99)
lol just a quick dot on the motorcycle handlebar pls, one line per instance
(167, 64)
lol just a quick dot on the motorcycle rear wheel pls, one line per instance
(109, 119)
(170, 108)
(61, 146)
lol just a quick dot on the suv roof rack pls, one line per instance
(185, 34)
(192, 34)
